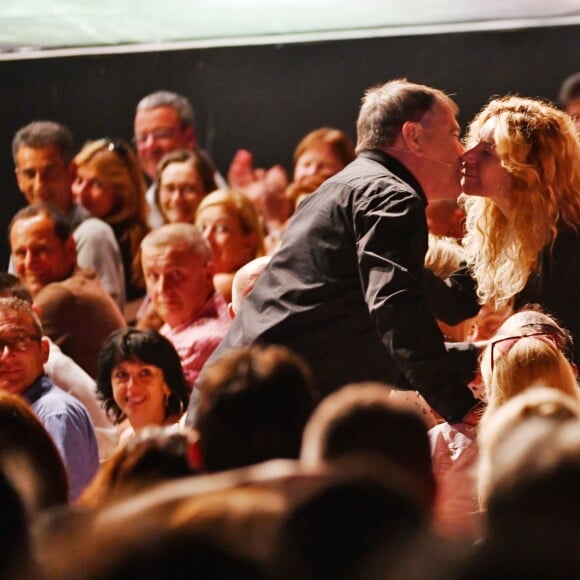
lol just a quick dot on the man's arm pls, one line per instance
(391, 245)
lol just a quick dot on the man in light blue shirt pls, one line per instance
(23, 352)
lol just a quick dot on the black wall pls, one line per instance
(265, 98)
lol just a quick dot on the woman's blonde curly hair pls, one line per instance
(540, 148)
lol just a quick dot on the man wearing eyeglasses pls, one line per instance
(164, 122)
(42, 153)
(23, 352)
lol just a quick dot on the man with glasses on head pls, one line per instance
(23, 352)
(164, 122)
(42, 153)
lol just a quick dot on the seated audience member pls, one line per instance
(229, 222)
(140, 379)
(110, 185)
(183, 179)
(569, 97)
(179, 276)
(500, 464)
(527, 350)
(154, 455)
(43, 152)
(253, 405)
(76, 312)
(324, 151)
(530, 475)
(24, 352)
(29, 457)
(69, 376)
(164, 122)
(244, 281)
(364, 419)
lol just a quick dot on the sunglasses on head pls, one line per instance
(550, 331)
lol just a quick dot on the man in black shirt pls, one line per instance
(345, 290)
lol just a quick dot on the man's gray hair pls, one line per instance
(385, 108)
(177, 102)
(179, 235)
(44, 134)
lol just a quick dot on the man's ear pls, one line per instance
(411, 135)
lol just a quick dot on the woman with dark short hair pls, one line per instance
(140, 379)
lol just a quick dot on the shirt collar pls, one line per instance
(396, 167)
(37, 389)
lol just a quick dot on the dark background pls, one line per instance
(265, 98)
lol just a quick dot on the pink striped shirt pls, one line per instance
(196, 338)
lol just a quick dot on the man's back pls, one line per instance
(77, 315)
(312, 296)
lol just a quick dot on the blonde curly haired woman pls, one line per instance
(522, 180)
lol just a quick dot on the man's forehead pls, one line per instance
(48, 155)
(162, 116)
(441, 113)
(14, 320)
(35, 227)
(167, 255)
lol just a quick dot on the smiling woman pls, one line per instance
(522, 178)
(140, 379)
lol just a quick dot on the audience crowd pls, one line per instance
(365, 370)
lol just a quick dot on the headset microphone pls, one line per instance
(444, 163)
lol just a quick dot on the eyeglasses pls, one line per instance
(19, 342)
(550, 331)
(155, 135)
(121, 149)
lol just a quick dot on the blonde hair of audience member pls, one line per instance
(324, 151)
(230, 223)
(114, 169)
(519, 365)
(364, 418)
(539, 148)
(156, 454)
(192, 178)
(244, 281)
(29, 457)
(496, 457)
